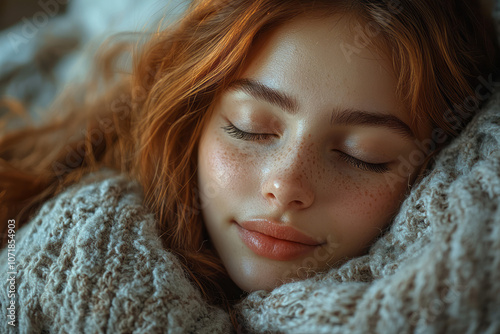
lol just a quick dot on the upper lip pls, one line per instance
(278, 230)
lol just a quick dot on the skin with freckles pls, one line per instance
(339, 183)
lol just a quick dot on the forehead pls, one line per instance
(323, 64)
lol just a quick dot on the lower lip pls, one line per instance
(272, 248)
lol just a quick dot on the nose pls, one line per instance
(288, 188)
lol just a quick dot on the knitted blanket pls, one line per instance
(91, 262)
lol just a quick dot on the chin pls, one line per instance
(256, 283)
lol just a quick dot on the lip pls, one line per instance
(269, 239)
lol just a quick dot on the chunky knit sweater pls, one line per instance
(91, 261)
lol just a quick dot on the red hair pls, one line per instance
(147, 125)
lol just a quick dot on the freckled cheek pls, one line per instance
(368, 200)
(229, 167)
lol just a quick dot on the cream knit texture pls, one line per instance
(92, 262)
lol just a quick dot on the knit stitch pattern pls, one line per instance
(92, 262)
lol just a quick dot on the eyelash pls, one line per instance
(238, 134)
(366, 166)
(363, 165)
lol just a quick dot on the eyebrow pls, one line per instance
(349, 116)
(262, 92)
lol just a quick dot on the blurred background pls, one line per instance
(45, 44)
(12, 11)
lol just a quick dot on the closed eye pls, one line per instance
(239, 134)
(363, 165)
(360, 164)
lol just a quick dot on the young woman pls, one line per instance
(267, 133)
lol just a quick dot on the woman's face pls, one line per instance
(306, 157)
